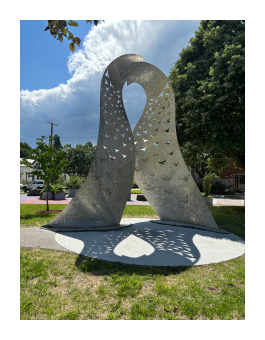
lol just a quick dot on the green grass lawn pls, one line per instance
(66, 286)
(136, 191)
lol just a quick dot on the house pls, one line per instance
(237, 174)
(28, 176)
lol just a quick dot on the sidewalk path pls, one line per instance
(24, 199)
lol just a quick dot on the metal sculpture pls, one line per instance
(160, 170)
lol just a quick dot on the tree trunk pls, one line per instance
(47, 203)
(237, 158)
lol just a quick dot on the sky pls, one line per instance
(62, 87)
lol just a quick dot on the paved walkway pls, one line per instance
(143, 243)
(24, 199)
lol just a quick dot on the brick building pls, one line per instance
(238, 176)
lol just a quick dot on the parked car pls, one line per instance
(34, 184)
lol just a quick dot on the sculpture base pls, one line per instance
(189, 225)
(57, 229)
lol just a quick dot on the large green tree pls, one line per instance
(25, 150)
(57, 142)
(52, 163)
(209, 84)
(79, 158)
(60, 29)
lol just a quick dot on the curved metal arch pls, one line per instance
(100, 202)
(160, 170)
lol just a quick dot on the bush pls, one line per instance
(134, 185)
(44, 189)
(58, 187)
(207, 183)
(200, 186)
(74, 182)
(218, 188)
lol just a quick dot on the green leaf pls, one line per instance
(77, 41)
(72, 46)
(89, 21)
(74, 23)
(96, 22)
(61, 38)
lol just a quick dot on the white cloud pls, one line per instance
(75, 105)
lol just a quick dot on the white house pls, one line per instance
(27, 172)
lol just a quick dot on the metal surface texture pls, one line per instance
(151, 154)
(101, 200)
(160, 170)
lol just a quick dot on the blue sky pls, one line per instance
(64, 87)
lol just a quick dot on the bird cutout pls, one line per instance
(168, 120)
(114, 111)
(156, 101)
(161, 94)
(127, 130)
(122, 126)
(106, 122)
(145, 140)
(118, 101)
(145, 160)
(124, 156)
(118, 118)
(150, 103)
(143, 149)
(112, 105)
(114, 92)
(144, 116)
(111, 157)
(117, 150)
(135, 142)
(106, 74)
(176, 164)
(104, 147)
(131, 149)
(163, 162)
(151, 99)
(167, 130)
(107, 89)
(167, 87)
(150, 125)
(146, 112)
(118, 96)
(151, 113)
(116, 105)
(124, 144)
(105, 95)
(117, 130)
(143, 122)
(111, 113)
(105, 104)
(111, 95)
(150, 108)
(114, 123)
(138, 134)
(145, 131)
(139, 126)
(155, 155)
(110, 84)
(155, 143)
(106, 136)
(118, 91)
(149, 118)
(167, 143)
(129, 138)
(122, 135)
(115, 137)
(171, 153)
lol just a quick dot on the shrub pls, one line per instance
(44, 189)
(200, 186)
(74, 182)
(207, 183)
(218, 188)
(134, 185)
(58, 187)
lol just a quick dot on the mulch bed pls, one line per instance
(47, 212)
(241, 210)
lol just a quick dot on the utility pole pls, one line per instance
(52, 129)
